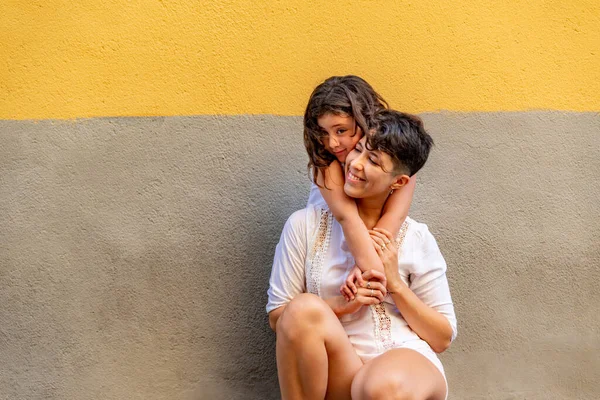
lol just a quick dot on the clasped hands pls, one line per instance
(370, 287)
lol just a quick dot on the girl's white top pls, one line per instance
(315, 197)
(312, 256)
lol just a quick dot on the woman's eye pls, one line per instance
(373, 161)
(341, 131)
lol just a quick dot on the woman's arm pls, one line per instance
(396, 208)
(274, 317)
(331, 183)
(431, 325)
(287, 274)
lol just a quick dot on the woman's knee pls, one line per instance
(301, 315)
(371, 386)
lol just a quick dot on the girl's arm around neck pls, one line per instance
(331, 185)
(396, 208)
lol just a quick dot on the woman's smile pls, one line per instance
(351, 178)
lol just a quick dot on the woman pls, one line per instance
(382, 343)
(338, 111)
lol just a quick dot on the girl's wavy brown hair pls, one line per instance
(347, 95)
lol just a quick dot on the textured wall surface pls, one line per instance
(135, 253)
(184, 57)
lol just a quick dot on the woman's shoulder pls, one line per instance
(424, 246)
(419, 230)
(308, 216)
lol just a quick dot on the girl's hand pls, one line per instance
(373, 292)
(388, 252)
(348, 288)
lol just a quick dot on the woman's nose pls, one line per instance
(357, 163)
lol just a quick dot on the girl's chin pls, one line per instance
(341, 156)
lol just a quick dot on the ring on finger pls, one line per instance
(383, 246)
(372, 293)
(387, 242)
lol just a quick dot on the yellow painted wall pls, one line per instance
(64, 59)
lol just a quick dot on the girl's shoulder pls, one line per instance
(314, 197)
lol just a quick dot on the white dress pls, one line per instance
(312, 256)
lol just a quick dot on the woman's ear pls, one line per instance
(400, 181)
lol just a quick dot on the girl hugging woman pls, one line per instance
(379, 338)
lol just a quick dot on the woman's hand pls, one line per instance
(372, 291)
(385, 246)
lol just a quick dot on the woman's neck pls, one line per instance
(370, 209)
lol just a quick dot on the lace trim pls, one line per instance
(317, 252)
(401, 236)
(381, 320)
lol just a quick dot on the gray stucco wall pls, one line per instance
(135, 253)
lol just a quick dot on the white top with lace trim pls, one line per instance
(312, 249)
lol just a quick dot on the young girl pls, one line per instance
(339, 112)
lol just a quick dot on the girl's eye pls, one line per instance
(373, 161)
(341, 131)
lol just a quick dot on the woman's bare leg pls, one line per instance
(315, 359)
(399, 374)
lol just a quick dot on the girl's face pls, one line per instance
(370, 173)
(341, 134)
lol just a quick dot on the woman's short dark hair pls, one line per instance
(347, 95)
(403, 137)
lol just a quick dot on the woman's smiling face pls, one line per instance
(368, 172)
(340, 134)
